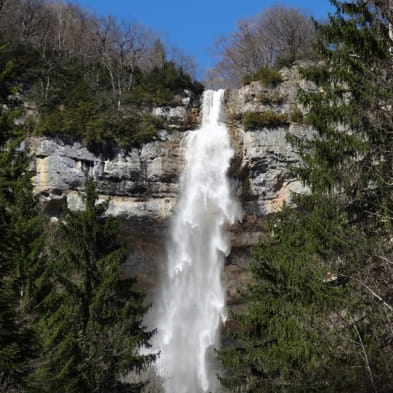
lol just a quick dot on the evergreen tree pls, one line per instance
(301, 329)
(92, 329)
(20, 239)
(319, 311)
(352, 112)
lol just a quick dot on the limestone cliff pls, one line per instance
(142, 182)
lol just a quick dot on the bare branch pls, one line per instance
(365, 358)
(372, 292)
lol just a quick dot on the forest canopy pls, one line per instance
(92, 77)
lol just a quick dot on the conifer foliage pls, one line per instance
(20, 239)
(320, 308)
(92, 330)
(68, 321)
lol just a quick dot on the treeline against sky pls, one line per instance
(276, 37)
(75, 33)
(76, 67)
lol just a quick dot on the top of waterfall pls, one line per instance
(212, 106)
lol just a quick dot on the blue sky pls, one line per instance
(194, 25)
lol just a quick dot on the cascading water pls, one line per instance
(191, 307)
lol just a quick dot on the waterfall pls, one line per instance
(191, 306)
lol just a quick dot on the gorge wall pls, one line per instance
(142, 182)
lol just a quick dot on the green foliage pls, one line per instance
(270, 99)
(356, 84)
(68, 323)
(319, 310)
(92, 328)
(266, 75)
(76, 106)
(296, 116)
(284, 61)
(76, 98)
(258, 120)
(160, 86)
(6, 74)
(83, 121)
(298, 334)
(20, 240)
(133, 128)
(305, 322)
(289, 60)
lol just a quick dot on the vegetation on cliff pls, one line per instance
(258, 120)
(266, 75)
(276, 37)
(89, 77)
(320, 309)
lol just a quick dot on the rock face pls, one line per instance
(142, 182)
(183, 116)
(260, 168)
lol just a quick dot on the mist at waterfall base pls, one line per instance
(190, 308)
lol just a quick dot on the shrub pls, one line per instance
(265, 75)
(146, 129)
(296, 115)
(82, 122)
(284, 61)
(269, 119)
(76, 108)
(160, 86)
(271, 99)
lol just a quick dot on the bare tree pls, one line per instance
(289, 31)
(29, 19)
(63, 30)
(187, 62)
(123, 47)
(277, 32)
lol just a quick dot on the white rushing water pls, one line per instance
(191, 307)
